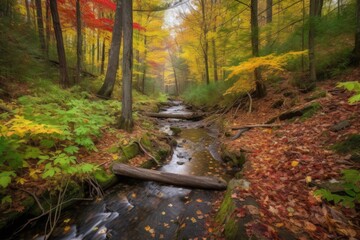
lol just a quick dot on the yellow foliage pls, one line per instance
(20, 126)
(268, 64)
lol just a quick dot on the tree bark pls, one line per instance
(269, 13)
(40, 24)
(79, 42)
(356, 51)
(126, 120)
(202, 182)
(103, 57)
(48, 27)
(260, 86)
(64, 77)
(27, 6)
(144, 67)
(205, 45)
(312, 32)
(109, 83)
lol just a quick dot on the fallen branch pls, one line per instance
(146, 152)
(170, 178)
(256, 126)
(250, 102)
(239, 133)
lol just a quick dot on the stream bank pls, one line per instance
(143, 210)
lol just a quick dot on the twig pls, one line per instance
(146, 152)
(47, 212)
(240, 133)
(250, 99)
(35, 198)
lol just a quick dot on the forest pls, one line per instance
(180, 119)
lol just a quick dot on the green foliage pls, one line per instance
(353, 86)
(351, 186)
(350, 146)
(9, 156)
(209, 95)
(5, 178)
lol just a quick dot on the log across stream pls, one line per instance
(138, 209)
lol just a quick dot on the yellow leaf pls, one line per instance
(163, 213)
(67, 228)
(294, 163)
(147, 228)
(67, 220)
(193, 220)
(21, 181)
(308, 179)
(279, 225)
(199, 200)
(114, 156)
(198, 212)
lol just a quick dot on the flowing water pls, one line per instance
(148, 210)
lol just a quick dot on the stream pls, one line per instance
(147, 210)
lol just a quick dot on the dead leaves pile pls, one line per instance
(282, 164)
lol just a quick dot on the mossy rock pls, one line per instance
(311, 110)
(129, 151)
(316, 95)
(235, 158)
(104, 179)
(349, 146)
(8, 217)
(146, 142)
(233, 228)
(48, 199)
(176, 131)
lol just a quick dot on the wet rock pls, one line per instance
(180, 163)
(340, 126)
(176, 131)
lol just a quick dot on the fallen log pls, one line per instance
(185, 116)
(202, 182)
(256, 126)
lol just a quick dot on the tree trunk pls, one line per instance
(103, 57)
(144, 67)
(205, 45)
(27, 6)
(79, 42)
(64, 78)
(260, 86)
(126, 120)
(48, 27)
(269, 13)
(356, 53)
(40, 24)
(170, 178)
(312, 31)
(109, 83)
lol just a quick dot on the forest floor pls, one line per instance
(285, 165)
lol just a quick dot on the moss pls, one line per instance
(105, 179)
(317, 95)
(146, 141)
(129, 152)
(350, 146)
(176, 131)
(310, 111)
(113, 149)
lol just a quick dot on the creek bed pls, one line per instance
(148, 210)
